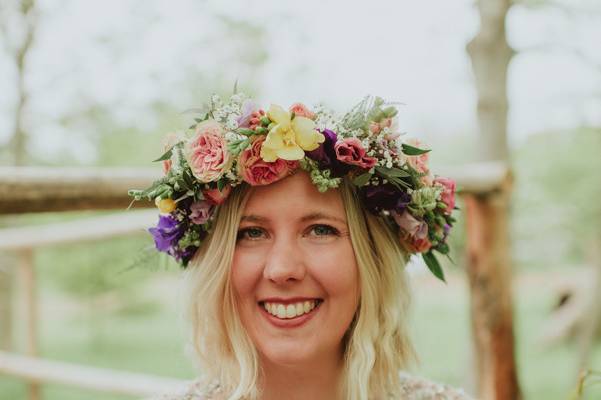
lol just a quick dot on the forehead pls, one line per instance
(294, 196)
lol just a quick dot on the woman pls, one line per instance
(298, 292)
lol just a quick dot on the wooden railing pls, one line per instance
(485, 188)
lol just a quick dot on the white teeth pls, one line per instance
(283, 311)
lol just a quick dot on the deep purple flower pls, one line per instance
(325, 155)
(167, 233)
(384, 197)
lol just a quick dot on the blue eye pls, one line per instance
(324, 230)
(250, 233)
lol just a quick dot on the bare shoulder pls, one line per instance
(198, 389)
(417, 388)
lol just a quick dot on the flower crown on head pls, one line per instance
(236, 142)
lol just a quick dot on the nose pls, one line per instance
(285, 262)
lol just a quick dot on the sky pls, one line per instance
(125, 54)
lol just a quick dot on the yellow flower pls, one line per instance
(289, 138)
(165, 205)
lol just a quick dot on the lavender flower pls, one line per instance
(200, 212)
(248, 107)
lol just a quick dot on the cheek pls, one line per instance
(336, 271)
(245, 275)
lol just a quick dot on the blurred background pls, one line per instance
(99, 83)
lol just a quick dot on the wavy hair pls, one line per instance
(376, 344)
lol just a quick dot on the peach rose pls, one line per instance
(301, 110)
(351, 151)
(255, 171)
(418, 163)
(448, 192)
(207, 153)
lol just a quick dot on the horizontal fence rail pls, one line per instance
(37, 370)
(81, 230)
(41, 189)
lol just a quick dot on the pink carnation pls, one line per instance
(448, 192)
(207, 153)
(351, 151)
(301, 110)
(255, 171)
(418, 163)
(215, 196)
(200, 212)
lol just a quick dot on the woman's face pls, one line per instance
(294, 271)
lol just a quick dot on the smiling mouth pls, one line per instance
(291, 310)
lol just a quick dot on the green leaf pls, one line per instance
(433, 265)
(413, 151)
(165, 156)
(220, 184)
(392, 172)
(362, 179)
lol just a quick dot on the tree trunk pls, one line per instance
(489, 265)
(18, 144)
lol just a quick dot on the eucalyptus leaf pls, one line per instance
(392, 172)
(434, 265)
(413, 151)
(362, 179)
(165, 156)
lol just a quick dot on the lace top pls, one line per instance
(413, 388)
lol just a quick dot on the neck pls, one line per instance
(316, 380)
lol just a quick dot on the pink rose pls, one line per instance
(207, 153)
(301, 110)
(201, 212)
(255, 171)
(448, 192)
(216, 197)
(351, 151)
(413, 227)
(418, 163)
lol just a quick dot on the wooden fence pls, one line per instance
(485, 188)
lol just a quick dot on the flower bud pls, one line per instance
(265, 121)
(165, 205)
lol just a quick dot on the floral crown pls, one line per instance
(235, 142)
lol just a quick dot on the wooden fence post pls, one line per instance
(30, 310)
(489, 274)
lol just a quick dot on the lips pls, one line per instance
(289, 313)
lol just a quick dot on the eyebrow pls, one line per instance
(307, 218)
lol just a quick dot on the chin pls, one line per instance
(292, 353)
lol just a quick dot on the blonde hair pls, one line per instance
(377, 346)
